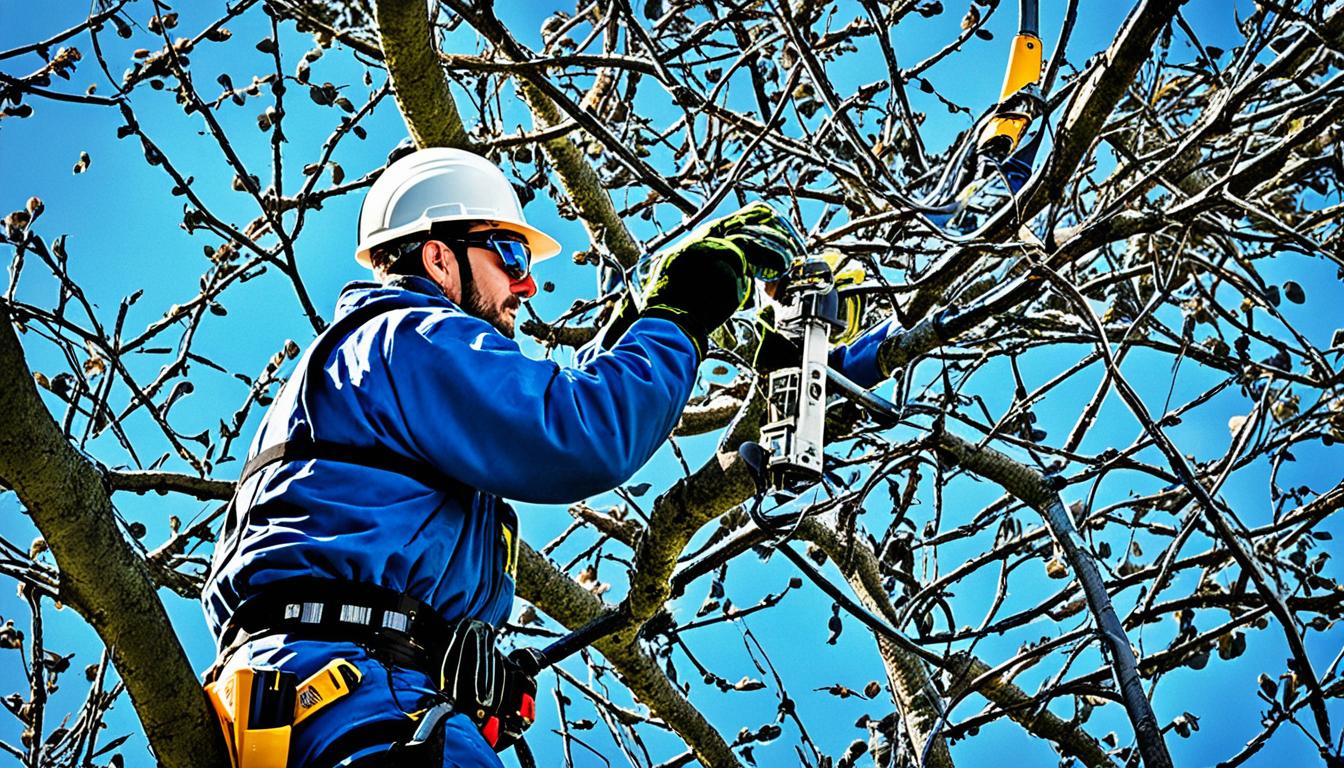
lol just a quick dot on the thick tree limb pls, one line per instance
(1031, 487)
(580, 181)
(1213, 512)
(1088, 110)
(1096, 98)
(720, 484)
(918, 703)
(561, 598)
(427, 105)
(860, 568)
(412, 60)
(101, 576)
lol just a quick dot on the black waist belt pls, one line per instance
(406, 631)
(498, 694)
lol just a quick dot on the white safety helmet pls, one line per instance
(439, 184)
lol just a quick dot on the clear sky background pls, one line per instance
(124, 236)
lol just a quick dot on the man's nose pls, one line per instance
(525, 288)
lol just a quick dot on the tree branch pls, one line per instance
(1088, 110)
(1032, 488)
(561, 598)
(422, 92)
(101, 576)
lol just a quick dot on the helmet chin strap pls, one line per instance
(465, 277)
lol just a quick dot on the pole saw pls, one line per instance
(817, 307)
(993, 152)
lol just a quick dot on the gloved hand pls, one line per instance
(767, 239)
(698, 286)
(705, 279)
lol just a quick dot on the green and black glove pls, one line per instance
(767, 239)
(704, 280)
(698, 286)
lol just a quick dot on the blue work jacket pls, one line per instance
(426, 381)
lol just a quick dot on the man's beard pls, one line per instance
(476, 307)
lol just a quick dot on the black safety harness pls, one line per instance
(310, 448)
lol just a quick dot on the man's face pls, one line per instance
(493, 293)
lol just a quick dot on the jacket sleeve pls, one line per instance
(857, 360)
(468, 401)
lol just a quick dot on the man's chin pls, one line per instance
(502, 319)
(505, 322)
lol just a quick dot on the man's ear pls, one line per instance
(441, 266)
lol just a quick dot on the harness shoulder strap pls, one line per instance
(302, 449)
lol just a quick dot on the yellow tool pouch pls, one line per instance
(258, 708)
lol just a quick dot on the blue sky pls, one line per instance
(123, 237)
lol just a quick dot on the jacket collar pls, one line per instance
(415, 284)
(401, 291)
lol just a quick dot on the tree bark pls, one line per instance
(580, 181)
(859, 567)
(412, 60)
(102, 578)
(1033, 489)
(561, 598)
(1087, 112)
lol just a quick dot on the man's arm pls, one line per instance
(857, 360)
(468, 401)
(533, 431)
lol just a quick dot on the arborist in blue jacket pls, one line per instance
(369, 555)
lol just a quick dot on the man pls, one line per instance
(369, 553)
